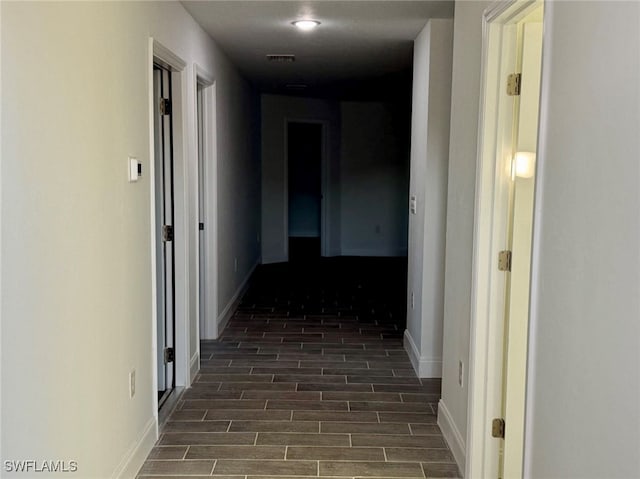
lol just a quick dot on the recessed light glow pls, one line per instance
(306, 25)
(524, 165)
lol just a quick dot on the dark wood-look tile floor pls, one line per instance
(309, 379)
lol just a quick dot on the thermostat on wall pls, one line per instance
(135, 169)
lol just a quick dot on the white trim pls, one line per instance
(194, 366)
(181, 154)
(451, 434)
(165, 55)
(138, 452)
(228, 311)
(211, 200)
(377, 252)
(202, 76)
(424, 367)
(161, 54)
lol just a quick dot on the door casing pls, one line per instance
(164, 214)
(160, 54)
(491, 232)
(208, 175)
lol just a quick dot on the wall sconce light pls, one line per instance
(523, 165)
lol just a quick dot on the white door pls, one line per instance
(517, 308)
(165, 261)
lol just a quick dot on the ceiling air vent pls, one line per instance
(296, 86)
(279, 58)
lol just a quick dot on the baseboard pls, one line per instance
(412, 350)
(424, 367)
(194, 366)
(273, 259)
(452, 435)
(376, 252)
(226, 314)
(137, 454)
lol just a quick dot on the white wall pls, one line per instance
(238, 188)
(584, 385)
(276, 109)
(429, 166)
(374, 178)
(465, 92)
(76, 257)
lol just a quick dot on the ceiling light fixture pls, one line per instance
(306, 25)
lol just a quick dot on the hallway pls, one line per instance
(309, 378)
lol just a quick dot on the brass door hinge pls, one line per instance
(165, 106)
(167, 233)
(497, 428)
(504, 260)
(169, 355)
(514, 83)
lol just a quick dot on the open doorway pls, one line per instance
(502, 247)
(207, 171)
(165, 249)
(171, 319)
(304, 172)
(202, 261)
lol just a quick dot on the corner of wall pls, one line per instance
(423, 366)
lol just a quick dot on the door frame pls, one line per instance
(158, 53)
(324, 179)
(163, 181)
(488, 284)
(207, 326)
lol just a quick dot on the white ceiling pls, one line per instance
(357, 42)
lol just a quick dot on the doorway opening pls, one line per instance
(202, 261)
(503, 238)
(165, 245)
(207, 209)
(305, 153)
